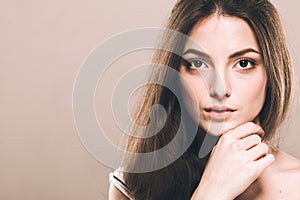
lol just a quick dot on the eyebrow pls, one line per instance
(197, 52)
(242, 52)
(234, 55)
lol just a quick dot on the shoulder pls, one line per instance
(115, 194)
(289, 174)
(118, 189)
(288, 164)
(294, 169)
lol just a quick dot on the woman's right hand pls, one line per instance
(237, 160)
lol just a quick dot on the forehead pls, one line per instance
(224, 34)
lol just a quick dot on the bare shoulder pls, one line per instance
(288, 163)
(289, 175)
(279, 181)
(115, 194)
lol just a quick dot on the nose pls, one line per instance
(219, 87)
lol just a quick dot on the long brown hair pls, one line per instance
(179, 179)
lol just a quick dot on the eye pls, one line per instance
(195, 63)
(245, 63)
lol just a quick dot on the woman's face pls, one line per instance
(226, 76)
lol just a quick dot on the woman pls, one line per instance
(241, 80)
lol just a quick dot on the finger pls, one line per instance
(244, 130)
(258, 151)
(257, 122)
(249, 141)
(264, 162)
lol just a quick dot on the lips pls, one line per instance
(219, 109)
(218, 112)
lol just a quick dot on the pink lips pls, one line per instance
(219, 112)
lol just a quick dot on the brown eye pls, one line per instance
(244, 63)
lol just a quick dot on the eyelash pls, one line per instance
(189, 65)
(250, 61)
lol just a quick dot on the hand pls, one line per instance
(237, 160)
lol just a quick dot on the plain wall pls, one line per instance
(43, 44)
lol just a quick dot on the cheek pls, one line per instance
(250, 92)
(194, 92)
(194, 88)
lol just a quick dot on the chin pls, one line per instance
(218, 128)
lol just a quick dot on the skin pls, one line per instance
(250, 172)
(221, 80)
(115, 194)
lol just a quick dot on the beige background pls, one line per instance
(43, 44)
